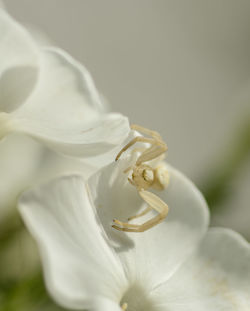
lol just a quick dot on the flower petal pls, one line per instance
(157, 253)
(34, 164)
(18, 65)
(64, 111)
(53, 165)
(78, 263)
(217, 277)
(20, 159)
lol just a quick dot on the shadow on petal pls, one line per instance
(16, 84)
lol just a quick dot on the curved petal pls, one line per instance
(101, 160)
(18, 63)
(34, 164)
(19, 161)
(78, 263)
(53, 165)
(216, 277)
(64, 110)
(158, 252)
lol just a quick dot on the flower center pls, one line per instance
(136, 298)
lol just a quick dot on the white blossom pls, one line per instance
(47, 99)
(177, 265)
(46, 94)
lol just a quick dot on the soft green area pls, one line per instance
(25, 294)
(9, 229)
(28, 294)
(216, 186)
(20, 290)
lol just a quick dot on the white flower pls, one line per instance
(24, 162)
(47, 95)
(44, 93)
(19, 161)
(177, 265)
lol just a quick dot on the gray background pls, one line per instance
(179, 67)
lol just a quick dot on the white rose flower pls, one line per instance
(46, 94)
(176, 265)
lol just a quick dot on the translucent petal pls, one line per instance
(78, 263)
(64, 110)
(216, 277)
(24, 162)
(19, 64)
(19, 160)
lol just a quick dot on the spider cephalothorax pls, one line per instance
(144, 176)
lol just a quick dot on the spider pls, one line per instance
(144, 177)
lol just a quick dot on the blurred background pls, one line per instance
(179, 67)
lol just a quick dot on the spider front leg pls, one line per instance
(155, 203)
(147, 210)
(146, 131)
(158, 148)
(158, 145)
(134, 141)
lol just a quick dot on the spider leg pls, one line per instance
(121, 223)
(147, 210)
(134, 229)
(153, 152)
(132, 182)
(134, 150)
(158, 146)
(146, 131)
(155, 203)
(128, 169)
(138, 150)
(161, 157)
(132, 142)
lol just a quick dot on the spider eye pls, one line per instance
(148, 175)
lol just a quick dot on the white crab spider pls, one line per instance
(144, 177)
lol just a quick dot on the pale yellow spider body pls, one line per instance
(145, 177)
